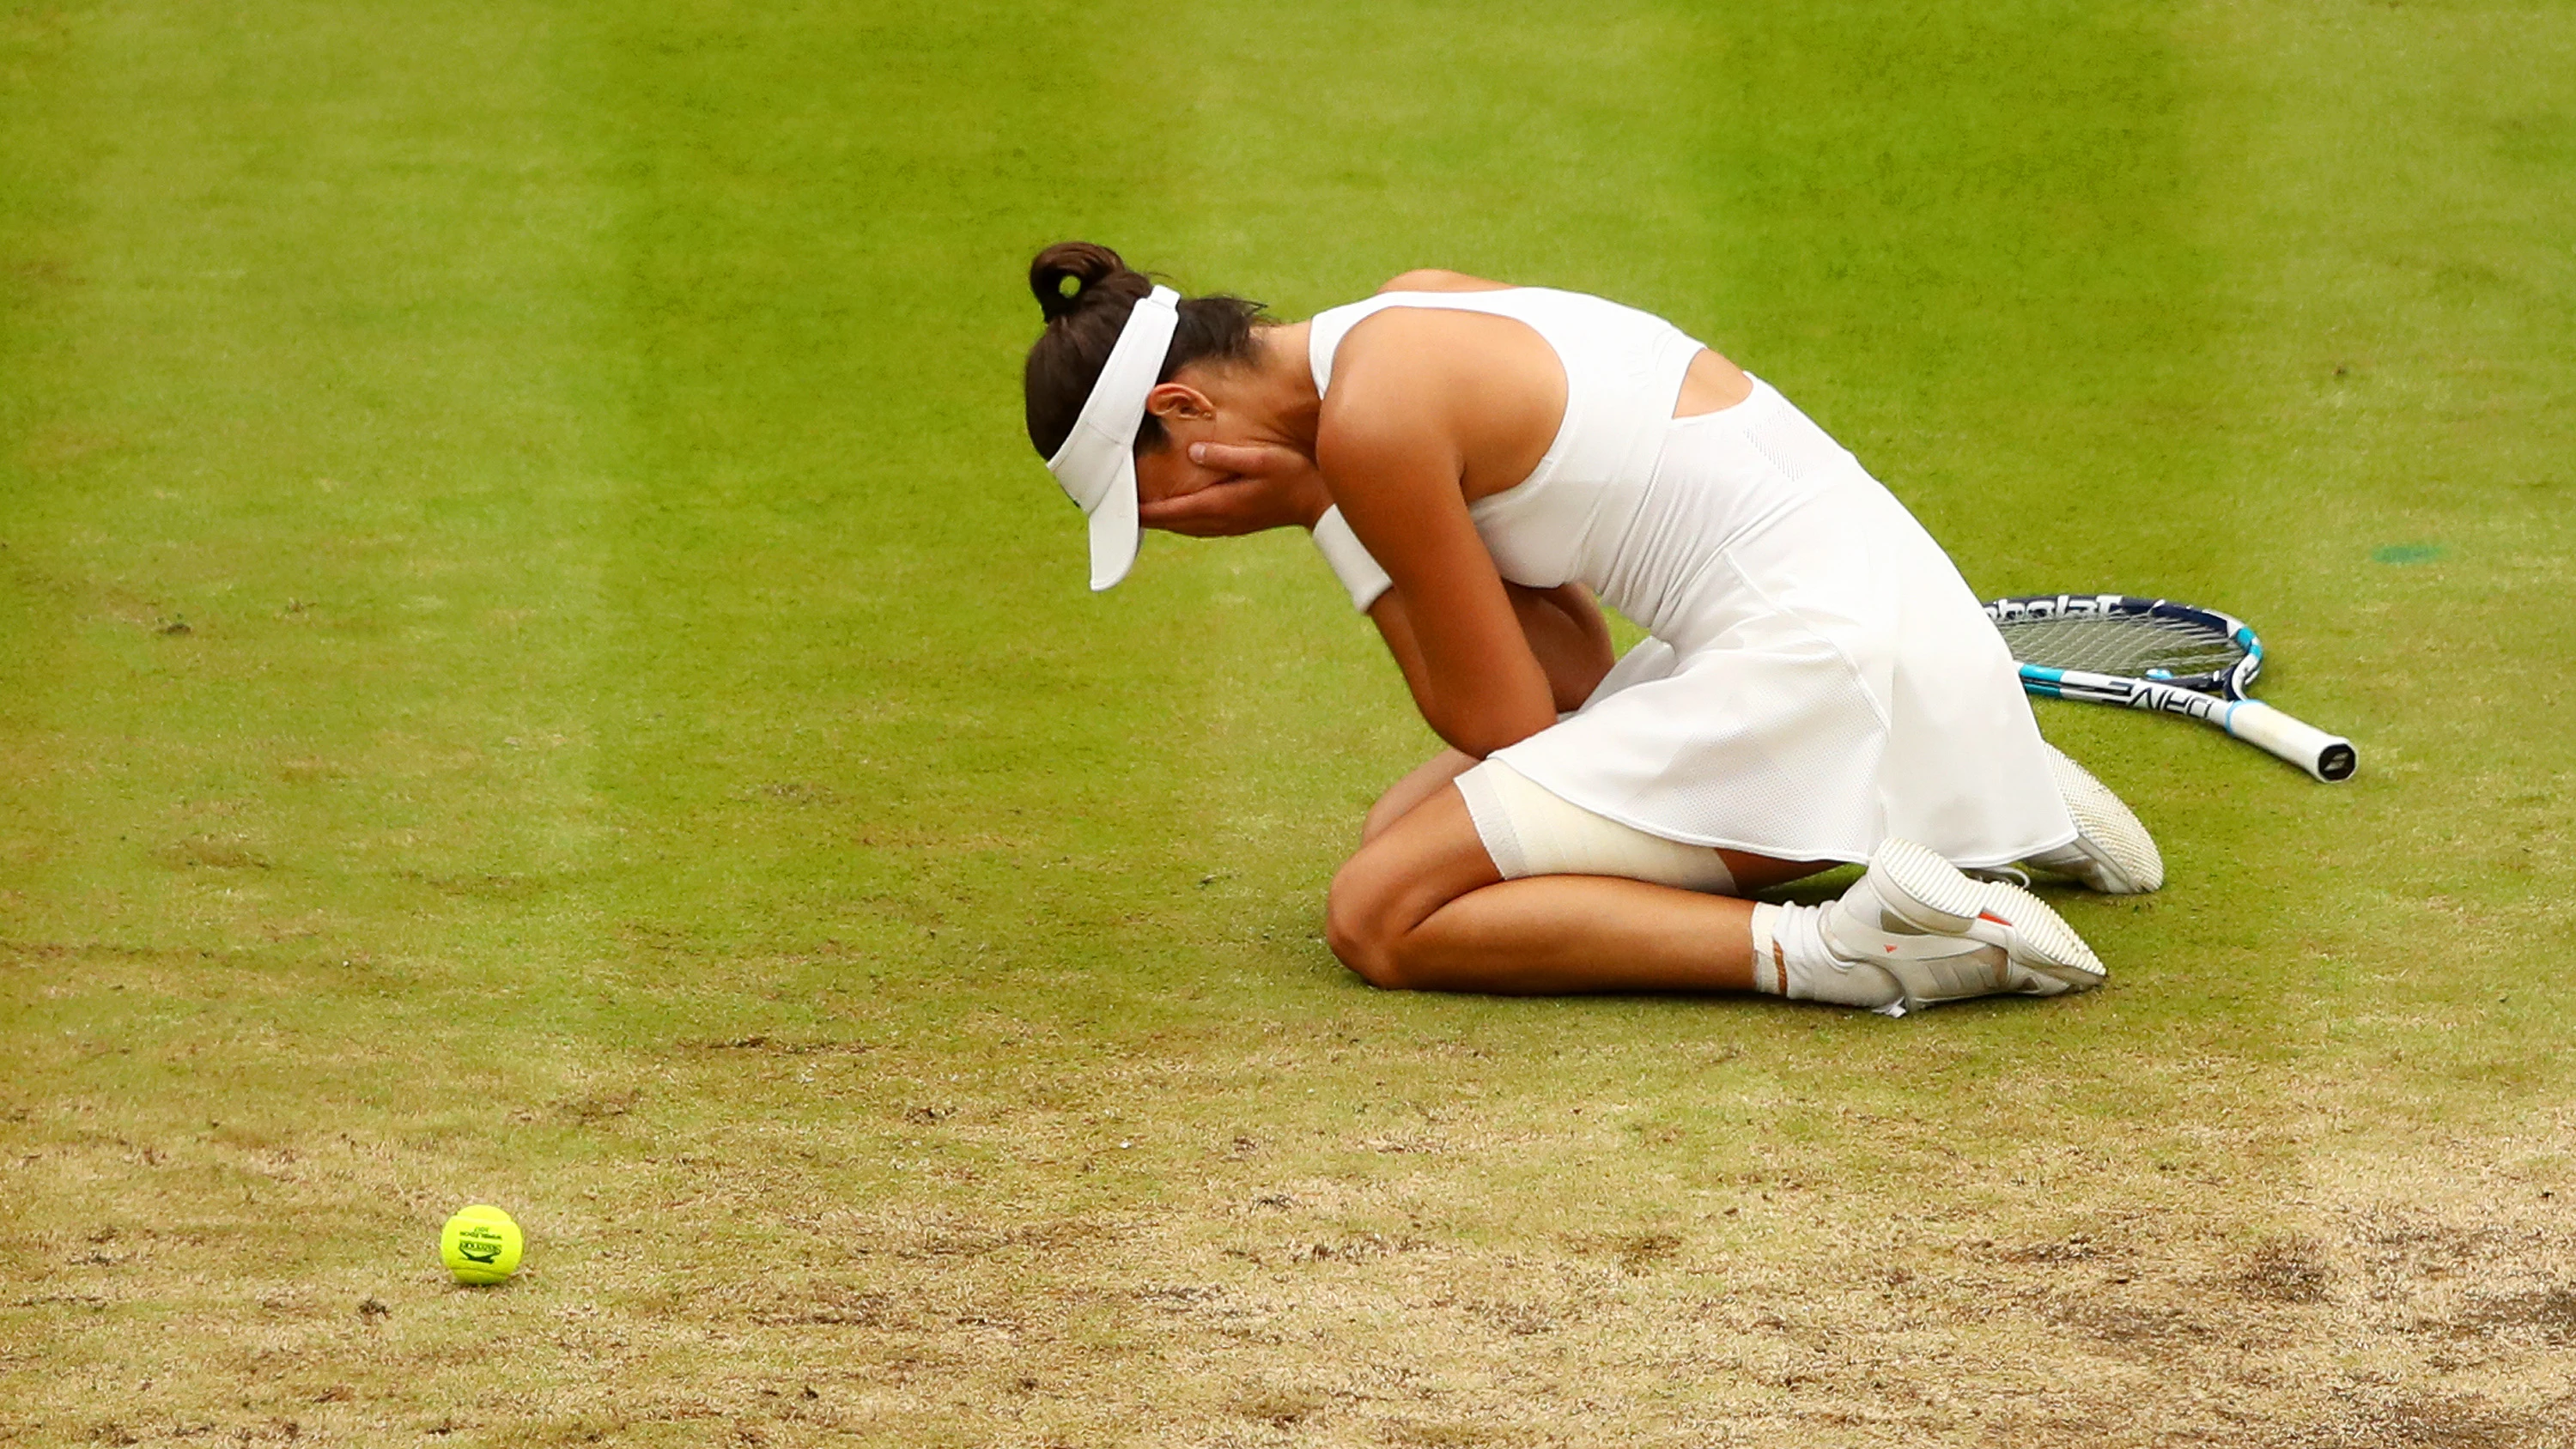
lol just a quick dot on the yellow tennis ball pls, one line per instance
(481, 1245)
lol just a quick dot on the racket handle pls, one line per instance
(2328, 757)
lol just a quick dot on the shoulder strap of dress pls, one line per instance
(1326, 329)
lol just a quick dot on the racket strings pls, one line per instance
(2131, 646)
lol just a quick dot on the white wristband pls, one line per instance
(1350, 559)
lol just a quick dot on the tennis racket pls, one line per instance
(2159, 655)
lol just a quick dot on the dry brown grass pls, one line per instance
(1337, 1231)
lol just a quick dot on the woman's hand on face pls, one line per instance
(1261, 486)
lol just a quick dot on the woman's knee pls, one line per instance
(1362, 932)
(1381, 897)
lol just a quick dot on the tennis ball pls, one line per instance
(481, 1245)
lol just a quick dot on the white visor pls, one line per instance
(1097, 464)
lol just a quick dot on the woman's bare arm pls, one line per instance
(1453, 627)
(1567, 633)
(1563, 627)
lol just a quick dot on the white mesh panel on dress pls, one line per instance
(1796, 446)
(1792, 784)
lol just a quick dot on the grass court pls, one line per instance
(537, 666)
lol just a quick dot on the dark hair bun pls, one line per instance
(1095, 272)
(1083, 327)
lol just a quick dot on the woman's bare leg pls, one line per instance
(1426, 780)
(1421, 907)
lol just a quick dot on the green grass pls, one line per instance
(639, 750)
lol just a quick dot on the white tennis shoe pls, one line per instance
(2111, 852)
(1942, 936)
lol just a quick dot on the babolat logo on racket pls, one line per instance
(2050, 606)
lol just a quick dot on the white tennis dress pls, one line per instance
(1819, 677)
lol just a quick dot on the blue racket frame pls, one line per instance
(2217, 698)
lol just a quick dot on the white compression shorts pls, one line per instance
(1530, 831)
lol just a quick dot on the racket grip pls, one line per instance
(2328, 757)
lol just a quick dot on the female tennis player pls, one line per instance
(1479, 463)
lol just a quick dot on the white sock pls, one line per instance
(1791, 959)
